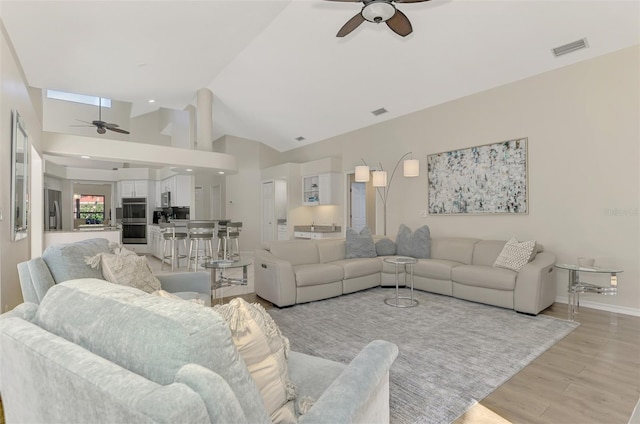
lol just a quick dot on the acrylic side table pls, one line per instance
(222, 281)
(404, 262)
(575, 286)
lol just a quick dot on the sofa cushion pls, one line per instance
(66, 261)
(331, 250)
(484, 276)
(386, 247)
(360, 245)
(416, 244)
(265, 351)
(515, 255)
(314, 274)
(298, 252)
(98, 316)
(455, 249)
(438, 269)
(359, 267)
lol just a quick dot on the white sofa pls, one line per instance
(298, 271)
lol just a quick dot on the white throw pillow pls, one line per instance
(125, 268)
(515, 254)
(265, 351)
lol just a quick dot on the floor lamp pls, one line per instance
(411, 168)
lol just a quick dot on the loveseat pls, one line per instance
(62, 262)
(97, 352)
(298, 271)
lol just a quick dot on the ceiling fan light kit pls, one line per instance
(377, 11)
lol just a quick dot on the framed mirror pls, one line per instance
(19, 177)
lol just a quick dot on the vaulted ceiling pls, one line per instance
(277, 70)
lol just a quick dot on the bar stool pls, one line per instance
(227, 237)
(200, 231)
(221, 233)
(170, 236)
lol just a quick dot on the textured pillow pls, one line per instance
(385, 247)
(360, 245)
(416, 245)
(265, 351)
(125, 268)
(515, 255)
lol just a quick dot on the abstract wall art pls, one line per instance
(488, 179)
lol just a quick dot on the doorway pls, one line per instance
(362, 204)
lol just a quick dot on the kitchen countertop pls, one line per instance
(318, 229)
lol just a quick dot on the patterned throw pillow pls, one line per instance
(360, 245)
(126, 268)
(515, 255)
(416, 245)
(265, 351)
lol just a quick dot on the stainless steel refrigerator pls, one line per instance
(52, 210)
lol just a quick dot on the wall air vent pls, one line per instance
(379, 112)
(570, 47)
(301, 138)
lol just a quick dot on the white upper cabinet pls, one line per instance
(321, 189)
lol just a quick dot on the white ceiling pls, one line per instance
(277, 70)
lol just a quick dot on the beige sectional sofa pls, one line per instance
(298, 271)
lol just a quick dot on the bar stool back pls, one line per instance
(200, 231)
(222, 237)
(232, 246)
(171, 238)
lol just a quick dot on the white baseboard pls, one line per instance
(603, 306)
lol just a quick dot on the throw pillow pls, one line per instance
(385, 247)
(515, 255)
(414, 244)
(125, 268)
(265, 351)
(360, 245)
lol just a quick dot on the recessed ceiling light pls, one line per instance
(221, 172)
(151, 100)
(85, 157)
(189, 169)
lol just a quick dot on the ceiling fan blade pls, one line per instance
(409, 1)
(106, 124)
(399, 23)
(82, 126)
(351, 24)
(86, 122)
(350, 1)
(118, 130)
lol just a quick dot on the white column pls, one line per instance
(204, 120)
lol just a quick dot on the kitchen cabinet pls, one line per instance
(283, 232)
(321, 189)
(180, 187)
(155, 241)
(133, 188)
(313, 235)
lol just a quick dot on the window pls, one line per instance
(89, 207)
(78, 98)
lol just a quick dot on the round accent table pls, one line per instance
(222, 281)
(407, 266)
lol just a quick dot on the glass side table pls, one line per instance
(404, 262)
(575, 286)
(222, 281)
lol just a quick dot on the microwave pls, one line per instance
(165, 199)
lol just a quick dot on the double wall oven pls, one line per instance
(134, 220)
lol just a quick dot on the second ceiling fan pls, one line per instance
(102, 126)
(378, 11)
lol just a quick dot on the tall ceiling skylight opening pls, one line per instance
(78, 98)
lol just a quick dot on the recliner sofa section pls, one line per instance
(298, 271)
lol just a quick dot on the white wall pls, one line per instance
(583, 130)
(13, 95)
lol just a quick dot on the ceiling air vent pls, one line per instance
(570, 47)
(301, 138)
(379, 112)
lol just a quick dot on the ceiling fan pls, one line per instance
(377, 11)
(102, 126)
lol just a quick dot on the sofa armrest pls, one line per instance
(198, 282)
(361, 391)
(35, 279)
(274, 279)
(536, 285)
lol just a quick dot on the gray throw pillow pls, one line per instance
(360, 245)
(416, 245)
(385, 247)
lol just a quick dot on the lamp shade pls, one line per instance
(379, 178)
(362, 174)
(412, 168)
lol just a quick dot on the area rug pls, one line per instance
(452, 354)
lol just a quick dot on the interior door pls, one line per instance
(358, 206)
(268, 211)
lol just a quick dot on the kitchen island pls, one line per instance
(58, 236)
